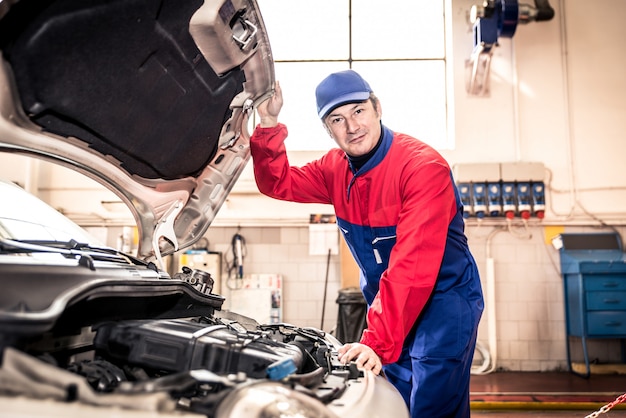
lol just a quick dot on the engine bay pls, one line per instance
(193, 364)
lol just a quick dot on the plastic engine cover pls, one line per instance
(181, 345)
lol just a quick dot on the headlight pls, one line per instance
(271, 400)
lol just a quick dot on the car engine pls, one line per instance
(196, 364)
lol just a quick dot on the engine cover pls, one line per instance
(182, 345)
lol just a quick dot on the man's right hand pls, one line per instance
(269, 109)
(363, 355)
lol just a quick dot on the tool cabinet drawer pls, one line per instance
(605, 282)
(606, 323)
(606, 301)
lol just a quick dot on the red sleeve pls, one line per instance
(276, 178)
(428, 206)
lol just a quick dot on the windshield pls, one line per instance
(23, 217)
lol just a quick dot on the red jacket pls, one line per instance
(401, 217)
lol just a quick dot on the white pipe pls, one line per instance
(516, 116)
(490, 307)
(491, 355)
(567, 105)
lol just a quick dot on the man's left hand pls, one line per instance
(364, 357)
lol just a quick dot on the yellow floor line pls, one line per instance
(479, 405)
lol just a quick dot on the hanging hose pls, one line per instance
(238, 243)
(235, 267)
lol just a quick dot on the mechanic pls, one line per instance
(400, 213)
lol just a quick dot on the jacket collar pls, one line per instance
(378, 156)
(387, 139)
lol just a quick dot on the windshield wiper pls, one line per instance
(68, 249)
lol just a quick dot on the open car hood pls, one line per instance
(150, 98)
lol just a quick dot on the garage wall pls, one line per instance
(557, 97)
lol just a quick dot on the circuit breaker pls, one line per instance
(502, 190)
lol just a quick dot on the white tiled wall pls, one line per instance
(530, 317)
(285, 250)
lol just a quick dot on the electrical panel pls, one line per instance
(502, 190)
(259, 296)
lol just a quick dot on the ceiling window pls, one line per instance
(397, 46)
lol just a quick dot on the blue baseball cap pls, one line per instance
(340, 88)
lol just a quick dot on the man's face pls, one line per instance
(355, 127)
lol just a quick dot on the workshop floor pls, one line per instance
(551, 394)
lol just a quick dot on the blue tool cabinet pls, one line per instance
(593, 267)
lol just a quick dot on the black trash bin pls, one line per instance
(351, 320)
